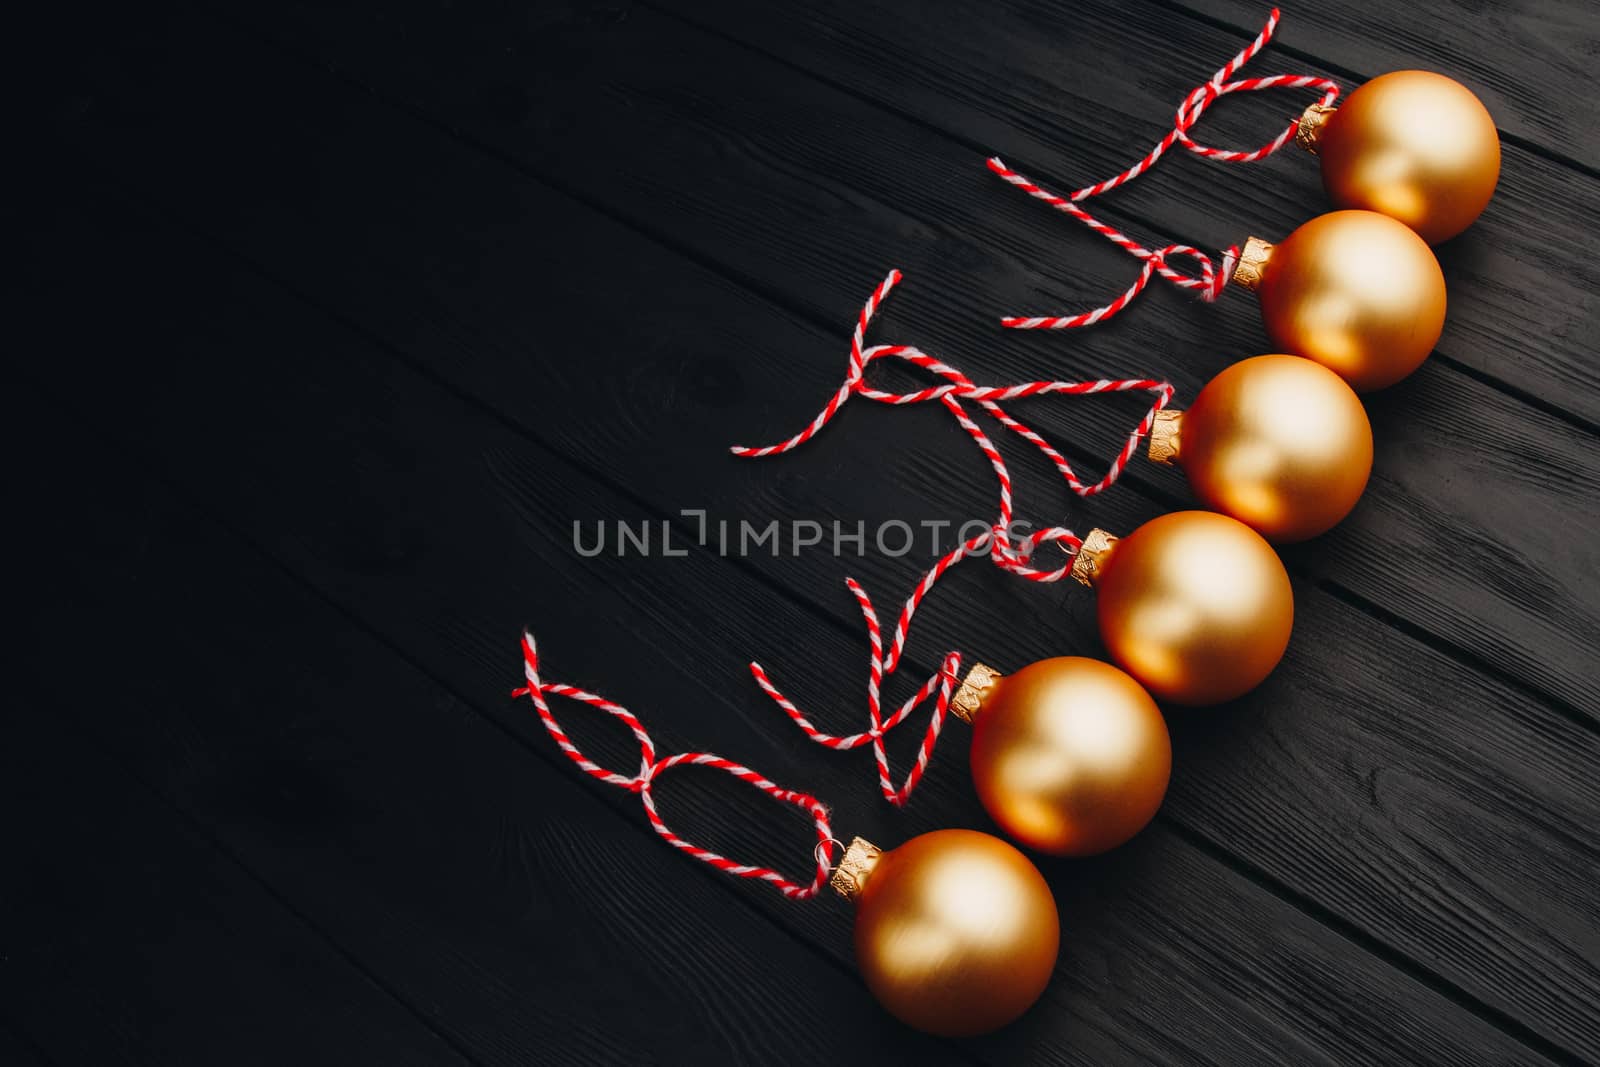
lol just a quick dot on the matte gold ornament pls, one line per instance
(956, 931)
(1414, 145)
(1356, 291)
(1280, 443)
(1070, 756)
(1195, 605)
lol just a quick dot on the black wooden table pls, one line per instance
(334, 319)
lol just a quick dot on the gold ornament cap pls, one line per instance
(1309, 129)
(973, 692)
(1165, 436)
(1252, 263)
(851, 874)
(1091, 558)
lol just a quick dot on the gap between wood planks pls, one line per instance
(1270, 884)
(1313, 14)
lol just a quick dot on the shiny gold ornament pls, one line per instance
(956, 931)
(1414, 145)
(1195, 605)
(1070, 756)
(1355, 291)
(1280, 443)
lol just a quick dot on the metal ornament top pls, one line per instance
(974, 689)
(851, 874)
(1252, 263)
(1090, 560)
(1309, 129)
(1166, 436)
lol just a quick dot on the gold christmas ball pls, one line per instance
(1416, 146)
(956, 932)
(1357, 292)
(1070, 756)
(1195, 605)
(1280, 443)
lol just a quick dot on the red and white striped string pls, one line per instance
(651, 768)
(1210, 281)
(997, 542)
(960, 387)
(941, 683)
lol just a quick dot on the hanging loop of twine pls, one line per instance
(1210, 279)
(651, 768)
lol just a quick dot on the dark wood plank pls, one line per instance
(798, 190)
(1071, 94)
(130, 939)
(1529, 62)
(340, 434)
(1023, 80)
(18, 1049)
(531, 922)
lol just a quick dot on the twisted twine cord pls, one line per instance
(651, 768)
(1210, 281)
(942, 683)
(959, 387)
(998, 541)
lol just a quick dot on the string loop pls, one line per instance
(999, 542)
(1210, 279)
(651, 768)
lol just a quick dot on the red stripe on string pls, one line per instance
(997, 542)
(1210, 281)
(651, 768)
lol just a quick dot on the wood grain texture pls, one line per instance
(663, 432)
(1070, 93)
(997, 77)
(1531, 62)
(529, 922)
(510, 509)
(397, 366)
(130, 939)
(794, 189)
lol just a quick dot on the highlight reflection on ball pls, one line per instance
(956, 932)
(1070, 756)
(1357, 292)
(1196, 606)
(1280, 443)
(1416, 146)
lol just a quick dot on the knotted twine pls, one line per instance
(1210, 281)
